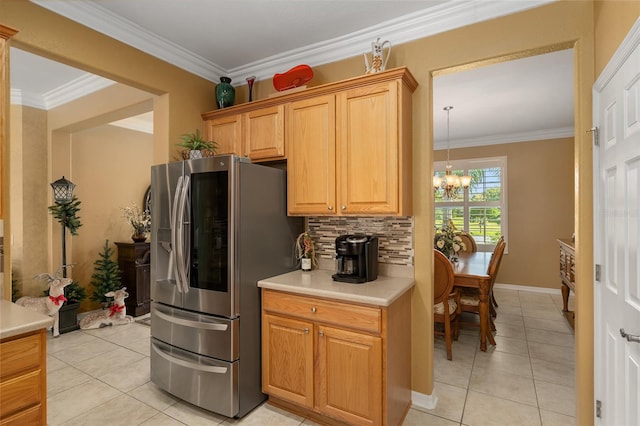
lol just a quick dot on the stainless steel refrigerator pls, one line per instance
(218, 226)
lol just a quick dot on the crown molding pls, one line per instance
(444, 17)
(28, 99)
(77, 88)
(538, 135)
(81, 86)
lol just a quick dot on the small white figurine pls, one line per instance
(115, 315)
(51, 304)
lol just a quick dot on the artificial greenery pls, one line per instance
(106, 275)
(74, 292)
(15, 291)
(194, 142)
(67, 214)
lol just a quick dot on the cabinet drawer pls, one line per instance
(345, 315)
(20, 356)
(32, 416)
(20, 393)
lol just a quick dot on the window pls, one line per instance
(481, 209)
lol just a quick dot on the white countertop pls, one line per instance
(381, 292)
(15, 320)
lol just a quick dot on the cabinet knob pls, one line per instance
(321, 333)
(343, 207)
(313, 310)
(329, 208)
(306, 330)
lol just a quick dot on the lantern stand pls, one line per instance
(63, 194)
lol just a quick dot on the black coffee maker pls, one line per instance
(356, 258)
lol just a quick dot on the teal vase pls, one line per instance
(225, 93)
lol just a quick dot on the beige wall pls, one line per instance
(540, 206)
(558, 23)
(613, 20)
(111, 169)
(28, 202)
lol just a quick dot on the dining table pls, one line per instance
(471, 271)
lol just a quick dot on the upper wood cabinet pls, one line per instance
(257, 134)
(311, 164)
(264, 133)
(347, 144)
(227, 133)
(368, 151)
(350, 152)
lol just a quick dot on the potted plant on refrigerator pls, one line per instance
(196, 146)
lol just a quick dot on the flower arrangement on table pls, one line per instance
(140, 220)
(306, 252)
(448, 242)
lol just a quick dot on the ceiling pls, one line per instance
(525, 99)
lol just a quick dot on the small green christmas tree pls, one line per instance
(106, 276)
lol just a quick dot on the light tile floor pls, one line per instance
(102, 376)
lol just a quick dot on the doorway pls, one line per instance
(73, 130)
(539, 183)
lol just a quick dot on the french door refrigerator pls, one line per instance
(219, 225)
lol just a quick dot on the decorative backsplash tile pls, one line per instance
(395, 235)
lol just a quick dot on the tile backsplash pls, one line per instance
(395, 236)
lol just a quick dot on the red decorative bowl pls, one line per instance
(295, 77)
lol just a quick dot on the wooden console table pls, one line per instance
(567, 275)
(134, 262)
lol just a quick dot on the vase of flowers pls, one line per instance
(447, 242)
(306, 252)
(139, 220)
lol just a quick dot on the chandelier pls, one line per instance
(451, 183)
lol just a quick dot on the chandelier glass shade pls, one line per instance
(450, 183)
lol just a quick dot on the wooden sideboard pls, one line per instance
(567, 275)
(134, 262)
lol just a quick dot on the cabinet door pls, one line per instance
(287, 359)
(368, 149)
(264, 133)
(227, 133)
(350, 375)
(311, 139)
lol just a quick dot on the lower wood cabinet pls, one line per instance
(23, 384)
(336, 359)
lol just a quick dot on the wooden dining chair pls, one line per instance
(494, 302)
(446, 300)
(469, 242)
(470, 297)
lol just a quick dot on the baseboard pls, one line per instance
(528, 288)
(423, 401)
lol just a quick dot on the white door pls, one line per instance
(617, 235)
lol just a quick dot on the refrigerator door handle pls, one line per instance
(184, 251)
(188, 323)
(175, 225)
(188, 364)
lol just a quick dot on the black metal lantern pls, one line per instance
(63, 194)
(63, 190)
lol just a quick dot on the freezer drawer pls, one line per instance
(203, 334)
(206, 382)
